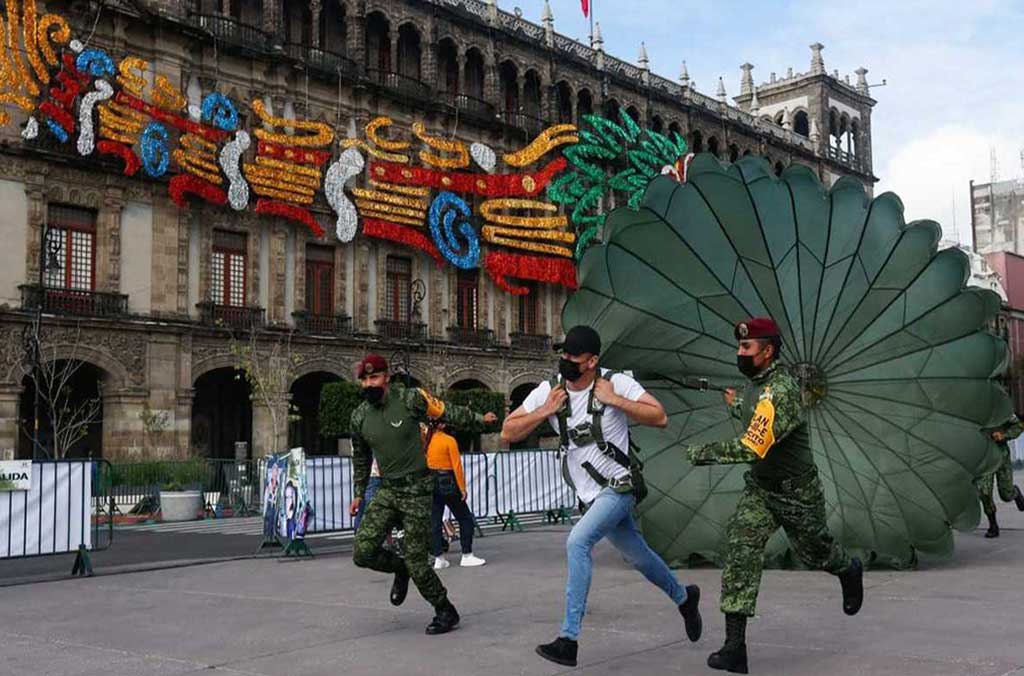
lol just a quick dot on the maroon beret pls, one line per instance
(371, 363)
(756, 327)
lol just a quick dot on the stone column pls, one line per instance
(278, 235)
(123, 437)
(108, 236)
(34, 185)
(355, 33)
(315, 7)
(428, 54)
(10, 394)
(361, 300)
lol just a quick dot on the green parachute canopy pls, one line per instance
(891, 348)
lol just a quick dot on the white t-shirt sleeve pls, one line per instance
(537, 397)
(626, 386)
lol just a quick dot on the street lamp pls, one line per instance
(49, 248)
(417, 292)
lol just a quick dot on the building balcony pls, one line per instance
(471, 106)
(234, 32)
(529, 342)
(843, 156)
(324, 61)
(524, 122)
(244, 318)
(396, 329)
(322, 325)
(74, 302)
(470, 337)
(404, 85)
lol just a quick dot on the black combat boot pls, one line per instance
(400, 587)
(852, 582)
(560, 651)
(445, 619)
(993, 527)
(691, 613)
(1018, 498)
(733, 655)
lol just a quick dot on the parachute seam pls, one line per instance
(821, 278)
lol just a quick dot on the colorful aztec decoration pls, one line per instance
(526, 215)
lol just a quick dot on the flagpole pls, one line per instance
(592, 23)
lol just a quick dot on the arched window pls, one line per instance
(448, 66)
(696, 141)
(713, 146)
(584, 105)
(409, 51)
(801, 123)
(474, 73)
(378, 42)
(563, 96)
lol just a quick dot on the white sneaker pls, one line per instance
(468, 561)
(440, 563)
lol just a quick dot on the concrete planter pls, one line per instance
(180, 505)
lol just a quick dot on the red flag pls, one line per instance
(585, 4)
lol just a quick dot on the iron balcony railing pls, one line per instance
(402, 84)
(525, 122)
(322, 325)
(396, 329)
(232, 31)
(324, 60)
(471, 337)
(231, 316)
(470, 105)
(529, 342)
(73, 301)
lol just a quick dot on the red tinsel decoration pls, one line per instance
(211, 134)
(373, 227)
(58, 115)
(183, 185)
(71, 80)
(127, 155)
(487, 185)
(291, 212)
(293, 153)
(500, 265)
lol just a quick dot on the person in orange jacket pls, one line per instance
(445, 464)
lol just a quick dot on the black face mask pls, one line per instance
(372, 394)
(569, 369)
(745, 363)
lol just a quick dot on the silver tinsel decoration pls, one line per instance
(87, 135)
(31, 129)
(231, 163)
(484, 156)
(349, 164)
(76, 46)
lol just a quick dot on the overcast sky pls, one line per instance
(955, 74)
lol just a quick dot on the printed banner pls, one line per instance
(15, 475)
(286, 507)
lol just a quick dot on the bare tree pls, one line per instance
(268, 365)
(52, 372)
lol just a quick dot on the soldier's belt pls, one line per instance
(405, 479)
(787, 484)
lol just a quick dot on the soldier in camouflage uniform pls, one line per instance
(782, 489)
(1003, 476)
(386, 426)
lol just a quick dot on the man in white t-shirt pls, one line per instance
(599, 407)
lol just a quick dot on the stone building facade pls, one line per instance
(150, 297)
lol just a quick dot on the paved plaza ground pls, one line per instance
(324, 616)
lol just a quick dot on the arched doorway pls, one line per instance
(468, 443)
(70, 411)
(221, 414)
(515, 400)
(305, 430)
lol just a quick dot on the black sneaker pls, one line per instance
(852, 582)
(691, 613)
(560, 651)
(400, 587)
(1018, 498)
(446, 619)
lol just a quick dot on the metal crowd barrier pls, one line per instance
(61, 513)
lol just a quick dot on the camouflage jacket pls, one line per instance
(1011, 428)
(776, 440)
(391, 432)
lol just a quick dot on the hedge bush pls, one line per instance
(337, 401)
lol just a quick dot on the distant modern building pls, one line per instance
(997, 216)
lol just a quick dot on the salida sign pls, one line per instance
(15, 475)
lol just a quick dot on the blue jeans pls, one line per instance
(372, 486)
(611, 516)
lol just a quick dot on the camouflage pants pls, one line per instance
(1004, 482)
(407, 504)
(798, 506)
